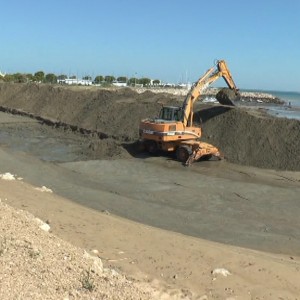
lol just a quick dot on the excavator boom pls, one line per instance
(225, 73)
(211, 75)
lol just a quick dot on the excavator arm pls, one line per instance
(211, 75)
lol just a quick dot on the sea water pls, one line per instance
(292, 97)
(291, 108)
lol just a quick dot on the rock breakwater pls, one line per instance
(210, 94)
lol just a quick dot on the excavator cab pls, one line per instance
(171, 113)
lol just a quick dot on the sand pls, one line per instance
(245, 136)
(158, 263)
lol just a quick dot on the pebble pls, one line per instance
(221, 271)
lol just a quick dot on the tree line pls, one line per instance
(41, 77)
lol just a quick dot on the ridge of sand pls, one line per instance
(245, 135)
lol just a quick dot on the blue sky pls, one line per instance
(170, 40)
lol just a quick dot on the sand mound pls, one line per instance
(38, 265)
(244, 137)
(254, 140)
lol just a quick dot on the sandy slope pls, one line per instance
(246, 136)
(170, 263)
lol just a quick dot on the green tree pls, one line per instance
(20, 78)
(8, 78)
(122, 79)
(98, 79)
(109, 79)
(133, 81)
(39, 76)
(73, 77)
(144, 81)
(51, 78)
(62, 77)
(156, 81)
(30, 77)
(87, 77)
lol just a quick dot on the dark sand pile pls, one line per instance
(251, 138)
(244, 136)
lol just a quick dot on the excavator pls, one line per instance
(173, 130)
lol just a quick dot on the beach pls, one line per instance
(167, 264)
(216, 230)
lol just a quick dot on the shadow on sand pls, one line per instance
(203, 115)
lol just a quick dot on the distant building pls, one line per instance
(75, 81)
(2, 74)
(169, 85)
(184, 85)
(156, 83)
(116, 83)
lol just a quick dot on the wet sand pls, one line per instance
(183, 267)
(214, 200)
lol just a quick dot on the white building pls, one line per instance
(116, 83)
(75, 81)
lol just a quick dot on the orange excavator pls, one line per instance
(173, 130)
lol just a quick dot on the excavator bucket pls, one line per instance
(200, 150)
(227, 97)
